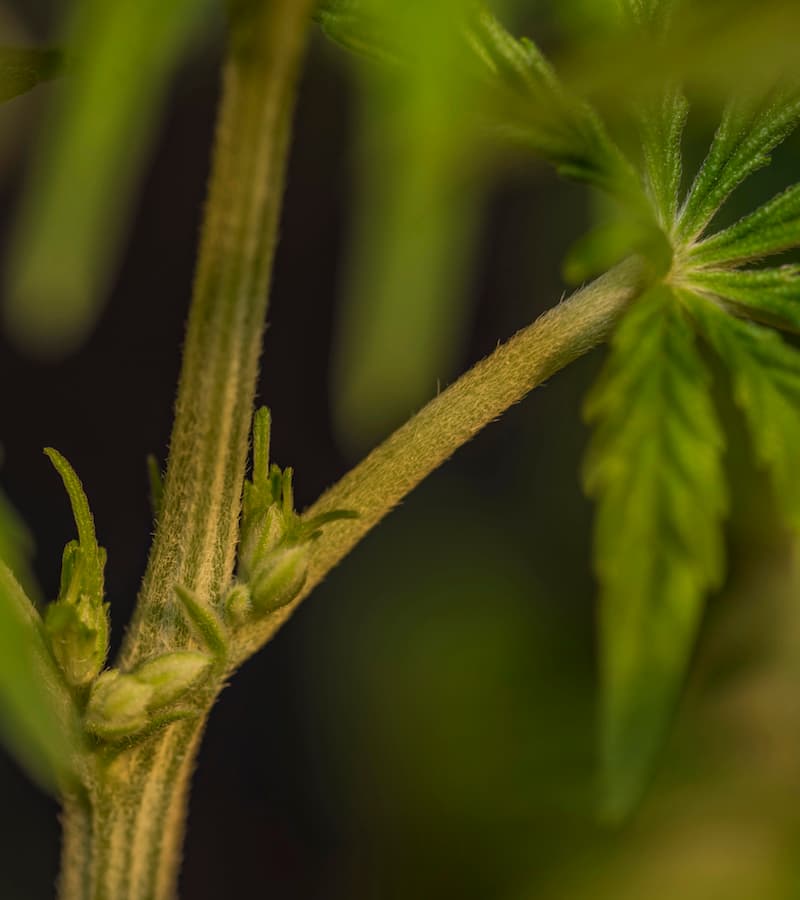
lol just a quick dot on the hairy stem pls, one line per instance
(196, 536)
(124, 829)
(375, 486)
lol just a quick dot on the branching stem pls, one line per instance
(123, 829)
(375, 486)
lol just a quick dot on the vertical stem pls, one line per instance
(196, 537)
(123, 834)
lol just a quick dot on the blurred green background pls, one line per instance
(424, 726)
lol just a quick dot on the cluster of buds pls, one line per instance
(125, 705)
(76, 624)
(276, 543)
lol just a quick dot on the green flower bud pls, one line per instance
(260, 538)
(170, 676)
(280, 577)
(118, 705)
(78, 635)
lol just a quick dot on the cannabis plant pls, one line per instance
(677, 295)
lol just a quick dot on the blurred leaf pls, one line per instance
(89, 160)
(16, 544)
(771, 229)
(608, 244)
(765, 372)
(346, 23)
(718, 48)
(37, 717)
(22, 68)
(749, 132)
(417, 203)
(534, 106)
(651, 13)
(654, 467)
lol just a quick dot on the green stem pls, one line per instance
(196, 537)
(123, 832)
(375, 486)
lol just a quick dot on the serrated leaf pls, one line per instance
(38, 720)
(772, 228)
(770, 295)
(765, 373)
(91, 151)
(653, 465)
(22, 68)
(662, 123)
(750, 130)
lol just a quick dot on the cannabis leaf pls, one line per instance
(654, 467)
(771, 229)
(768, 295)
(751, 129)
(765, 373)
(542, 113)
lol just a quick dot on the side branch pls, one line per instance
(375, 486)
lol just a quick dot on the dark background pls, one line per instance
(423, 725)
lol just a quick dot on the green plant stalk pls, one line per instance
(124, 826)
(375, 486)
(123, 830)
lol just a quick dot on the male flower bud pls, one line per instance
(280, 577)
(261, 535)
(118, 705)
(170, 676)
(121, 705)
(78, 635)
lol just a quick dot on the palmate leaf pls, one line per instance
(653, 465)
(772, 228)
(750, 130)
(22, 68)
(768, 295)
(765, 374)
(90, 154)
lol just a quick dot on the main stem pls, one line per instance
(196, 536)
(123, 830)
